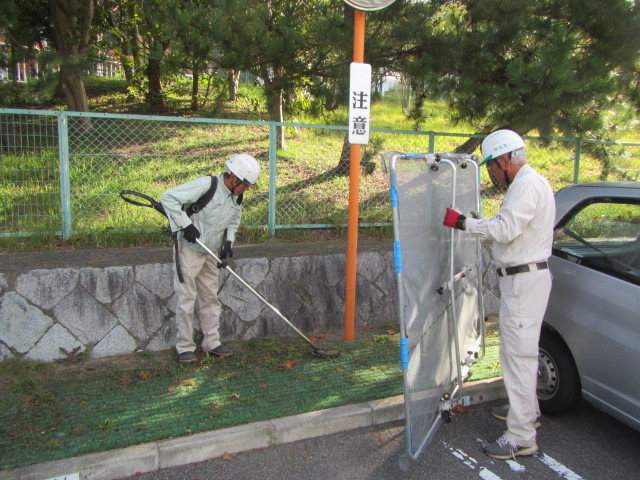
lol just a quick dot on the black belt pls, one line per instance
(528, 267)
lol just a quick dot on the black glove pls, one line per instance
(225, 252)
(190, 233)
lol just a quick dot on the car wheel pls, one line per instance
(558, 380)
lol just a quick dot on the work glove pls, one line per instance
(453, 219)
(190, 233)
(225, 252)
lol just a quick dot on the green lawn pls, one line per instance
(53, 411)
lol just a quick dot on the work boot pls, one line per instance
(187, 357)
(220, 351)
(501, 414)
(502, 449)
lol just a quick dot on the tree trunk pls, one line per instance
(15, 60)
(72, 23)
(233, 79)
(274, 107)
(344, 164)
(155, 95)
(469, 146)
(194, 87)
(127, 65)
(73, 87)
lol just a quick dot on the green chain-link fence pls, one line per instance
(61, 172)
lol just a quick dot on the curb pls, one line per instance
(148, 457)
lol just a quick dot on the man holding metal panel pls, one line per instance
(522, 234)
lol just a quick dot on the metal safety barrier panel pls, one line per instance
(61, 172)
(439, 286)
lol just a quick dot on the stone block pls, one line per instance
(329, 269)
(106, 284)
(294, 271)
(48, 348)
(46, 288)
(371, 265)
(21, 324)
(4, 286)
(252, 270)
(165, 338)
(203, 446)
(322, 422)
(86, 318)
(140, 312)
(5, 353)
(388, 409)
(238, 298)
(157, 278)
(97, 466)
(116, 342)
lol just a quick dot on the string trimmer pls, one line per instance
(151, 203)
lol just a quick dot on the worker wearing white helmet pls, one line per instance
(522, 234)
(209, 209)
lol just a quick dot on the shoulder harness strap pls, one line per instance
(199, 204)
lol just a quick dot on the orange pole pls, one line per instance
(354, 187)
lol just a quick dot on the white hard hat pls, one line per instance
(500, 142)
(245, 167)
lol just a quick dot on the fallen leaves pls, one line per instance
(226, 456)
(71, 357)
(289, 364)
(459, 409)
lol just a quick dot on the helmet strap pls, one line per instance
(234, 185)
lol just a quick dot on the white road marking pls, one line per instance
(515, 466)
(557, 467)
(488, 475)
(472, 463)
(466, 459)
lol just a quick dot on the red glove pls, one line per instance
(454, 219)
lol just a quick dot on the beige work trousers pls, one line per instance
(200, 275)
(523, 301)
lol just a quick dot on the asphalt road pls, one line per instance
(585, 444)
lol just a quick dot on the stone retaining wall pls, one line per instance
(122, 309)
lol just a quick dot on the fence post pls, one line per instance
(576, 161)
(65, 180)
(272, 178)
(432, 142)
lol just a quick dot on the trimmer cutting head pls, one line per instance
(328, 354)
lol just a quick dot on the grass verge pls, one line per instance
(54, 411)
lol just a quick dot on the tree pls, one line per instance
(549, 65)
(279, 42)
(25, 24)
(72, 27)
(194, 22)
(121, 22)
